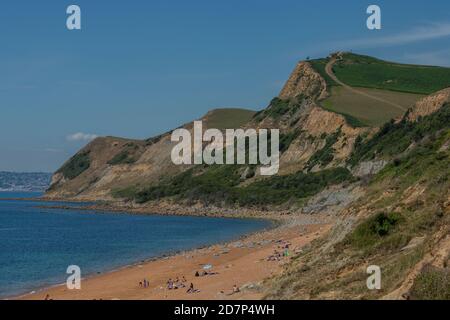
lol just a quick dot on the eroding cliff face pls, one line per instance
(317, 139)
(317, 126)
(306, 81)
(114, 163)
(429, 104)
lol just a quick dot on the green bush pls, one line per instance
(371, 231)
(404, 133)
(123, 157)
(325, 155)
(276, 109)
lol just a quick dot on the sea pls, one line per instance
(38, 244)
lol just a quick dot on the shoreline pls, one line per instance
(297, 229)
(122, 283)
(160, 208)
(240, 262)
(162, 256)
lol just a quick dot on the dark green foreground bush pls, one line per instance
(372, 230)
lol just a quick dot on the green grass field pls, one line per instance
(319, 65)
(368, 111)
(363, 71)
(229, 118)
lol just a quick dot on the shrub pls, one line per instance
(404, 133)
(371, 231)
(286, 139)
(123, 157)
(220, 184)
(277, 108)
(76, 165)
(325, 155)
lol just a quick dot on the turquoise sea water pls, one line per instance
(37, 245)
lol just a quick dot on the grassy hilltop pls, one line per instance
(401, 84)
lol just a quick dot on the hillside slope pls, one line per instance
(110, 163)
(312, 139)
(386, 188)
(402, 223)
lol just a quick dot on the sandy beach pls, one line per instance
(238, 269)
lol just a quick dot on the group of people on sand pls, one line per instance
(277, 255)
(180, 283)
(144, 284)
(177, 283)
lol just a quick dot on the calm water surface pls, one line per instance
(37, 245)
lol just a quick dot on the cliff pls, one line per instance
(386, 189)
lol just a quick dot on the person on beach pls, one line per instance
(179, 284)
(192, 289)
(170, 284)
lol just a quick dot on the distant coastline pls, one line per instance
(24, 181)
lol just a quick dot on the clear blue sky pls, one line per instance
(138, 68)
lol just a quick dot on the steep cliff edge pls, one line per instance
(312, 140)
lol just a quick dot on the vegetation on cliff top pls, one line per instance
(364, 71)
(319, 65)
(362, 111)
(276, 109)
(228, 118)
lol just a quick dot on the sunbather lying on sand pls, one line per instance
(205, 273)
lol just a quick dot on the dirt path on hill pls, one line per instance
(329, 71)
